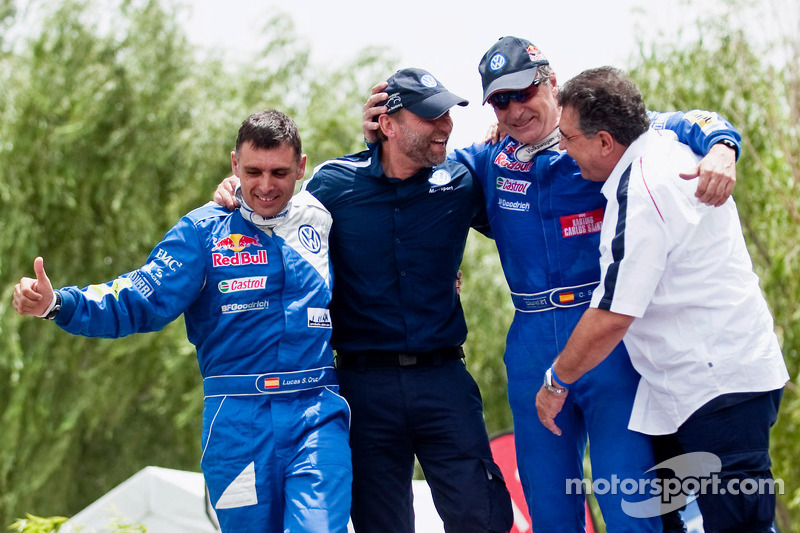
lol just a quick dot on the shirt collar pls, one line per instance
(265, 224)
(376, 169)
(548, 143)
(636, 149)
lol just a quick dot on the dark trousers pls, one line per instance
(434, 412)
(735, 428)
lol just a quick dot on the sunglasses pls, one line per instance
(502, 100)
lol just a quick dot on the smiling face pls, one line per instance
(424, 141)
(267, 176)
(590, 153)
(531, 121)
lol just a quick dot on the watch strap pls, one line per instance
(55, 307)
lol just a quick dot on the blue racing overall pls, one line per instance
(255, 300)
(546, 220)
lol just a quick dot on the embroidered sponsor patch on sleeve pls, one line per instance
(582, 223)
(319, 318)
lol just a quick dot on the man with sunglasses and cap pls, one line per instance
(546, 221)
(401, 215)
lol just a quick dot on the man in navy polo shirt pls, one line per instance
(401, 214)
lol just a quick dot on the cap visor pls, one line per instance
(436, 105)
(511, 82)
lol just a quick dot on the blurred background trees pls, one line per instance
(746, 65)
(108, 137)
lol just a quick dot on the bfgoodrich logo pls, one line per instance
(243, 308)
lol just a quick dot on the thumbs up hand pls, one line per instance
(34, 296)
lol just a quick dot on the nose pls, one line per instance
(515, 109)
(266, 182)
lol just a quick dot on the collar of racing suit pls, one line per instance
(548, 143)
(265, 224)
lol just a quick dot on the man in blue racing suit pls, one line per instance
(546, 219)
(254, 286)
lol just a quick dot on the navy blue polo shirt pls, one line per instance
(396, 246)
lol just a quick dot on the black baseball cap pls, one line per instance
(419, 92)
(510, 64)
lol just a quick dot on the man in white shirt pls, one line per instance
(678, 287)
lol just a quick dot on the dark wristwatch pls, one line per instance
(51, 315)
(729, 143)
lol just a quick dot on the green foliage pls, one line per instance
(757, 87)
(106, 139)
(37, 524)
(489, 311)
(52, 524)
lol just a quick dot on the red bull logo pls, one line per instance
(236, 242)
(503, 160)
(240, 259)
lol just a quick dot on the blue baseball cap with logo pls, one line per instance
(510, 64)
(419, 92)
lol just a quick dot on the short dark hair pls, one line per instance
(606, 100)
(267, 130)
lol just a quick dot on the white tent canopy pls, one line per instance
(173, 501)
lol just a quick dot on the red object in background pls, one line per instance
(506, 458)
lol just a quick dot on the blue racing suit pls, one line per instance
(255, 296)
(546, 220)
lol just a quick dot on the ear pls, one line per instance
(301, 168)
(386, 124)
(554, 84)
(607, 143)
(234, 163)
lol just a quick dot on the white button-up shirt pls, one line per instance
(703, 328)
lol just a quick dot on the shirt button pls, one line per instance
(397, 241)
(403, 273)
(396, 209)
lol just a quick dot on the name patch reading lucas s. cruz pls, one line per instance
(582, 223)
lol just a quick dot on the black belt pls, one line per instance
(382, 359)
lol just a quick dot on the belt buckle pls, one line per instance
(406, 359)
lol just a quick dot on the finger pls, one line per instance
(715, 191)
(42, 281)
(376, 99)
(551, 425)
(379, 87)
(230, 183)
(371, 112)
(29, 290)
(225, 194)
(25, 300)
